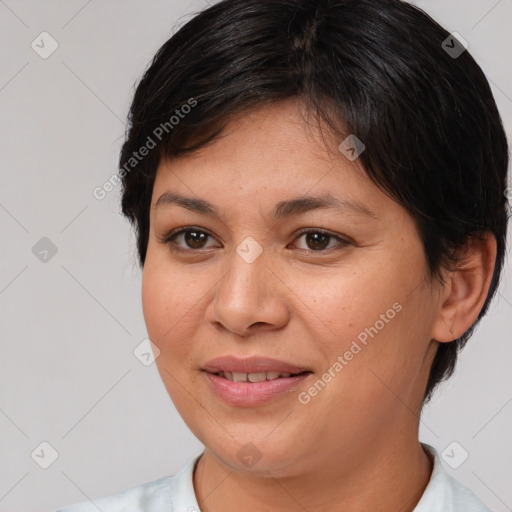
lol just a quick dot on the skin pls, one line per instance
(355, 445)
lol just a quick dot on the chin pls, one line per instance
(257, 459)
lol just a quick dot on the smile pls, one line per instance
(254, 389)
(254, 377)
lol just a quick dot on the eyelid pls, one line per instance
(167, 239)
(341, 242)
(345, 240)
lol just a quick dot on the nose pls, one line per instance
(249, 298)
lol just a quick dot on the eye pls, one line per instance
(193, 238)
(316, 240)
(319, 240)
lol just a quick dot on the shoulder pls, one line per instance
(169, 493)
(445, 494)
(147, 497)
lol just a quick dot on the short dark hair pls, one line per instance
(378, 68)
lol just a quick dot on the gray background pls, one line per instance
(69, 325)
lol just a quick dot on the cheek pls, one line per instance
(378, 321)
(348, 305)
(170, 313)
(168, 300)
(155, 301)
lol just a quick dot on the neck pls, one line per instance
(392, 477)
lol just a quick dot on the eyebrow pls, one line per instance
(283, 209)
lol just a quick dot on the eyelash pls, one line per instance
(168, 239)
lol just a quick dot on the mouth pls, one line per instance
(256, 376)
(253, 381)
(257, 368)
(255, 389)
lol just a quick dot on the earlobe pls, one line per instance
(465, 290)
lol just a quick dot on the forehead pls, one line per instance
(269, 149)
(270, 167)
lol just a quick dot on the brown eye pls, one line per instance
(317, 240)
(191, 239)
(195, 239)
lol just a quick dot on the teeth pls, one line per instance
(253, 377)
(256, 377)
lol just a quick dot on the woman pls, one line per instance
(318, 193)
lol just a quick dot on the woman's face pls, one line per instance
(348, 301)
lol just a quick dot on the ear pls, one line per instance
(465, 289)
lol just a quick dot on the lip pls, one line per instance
(253, 364)
(251, 394)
